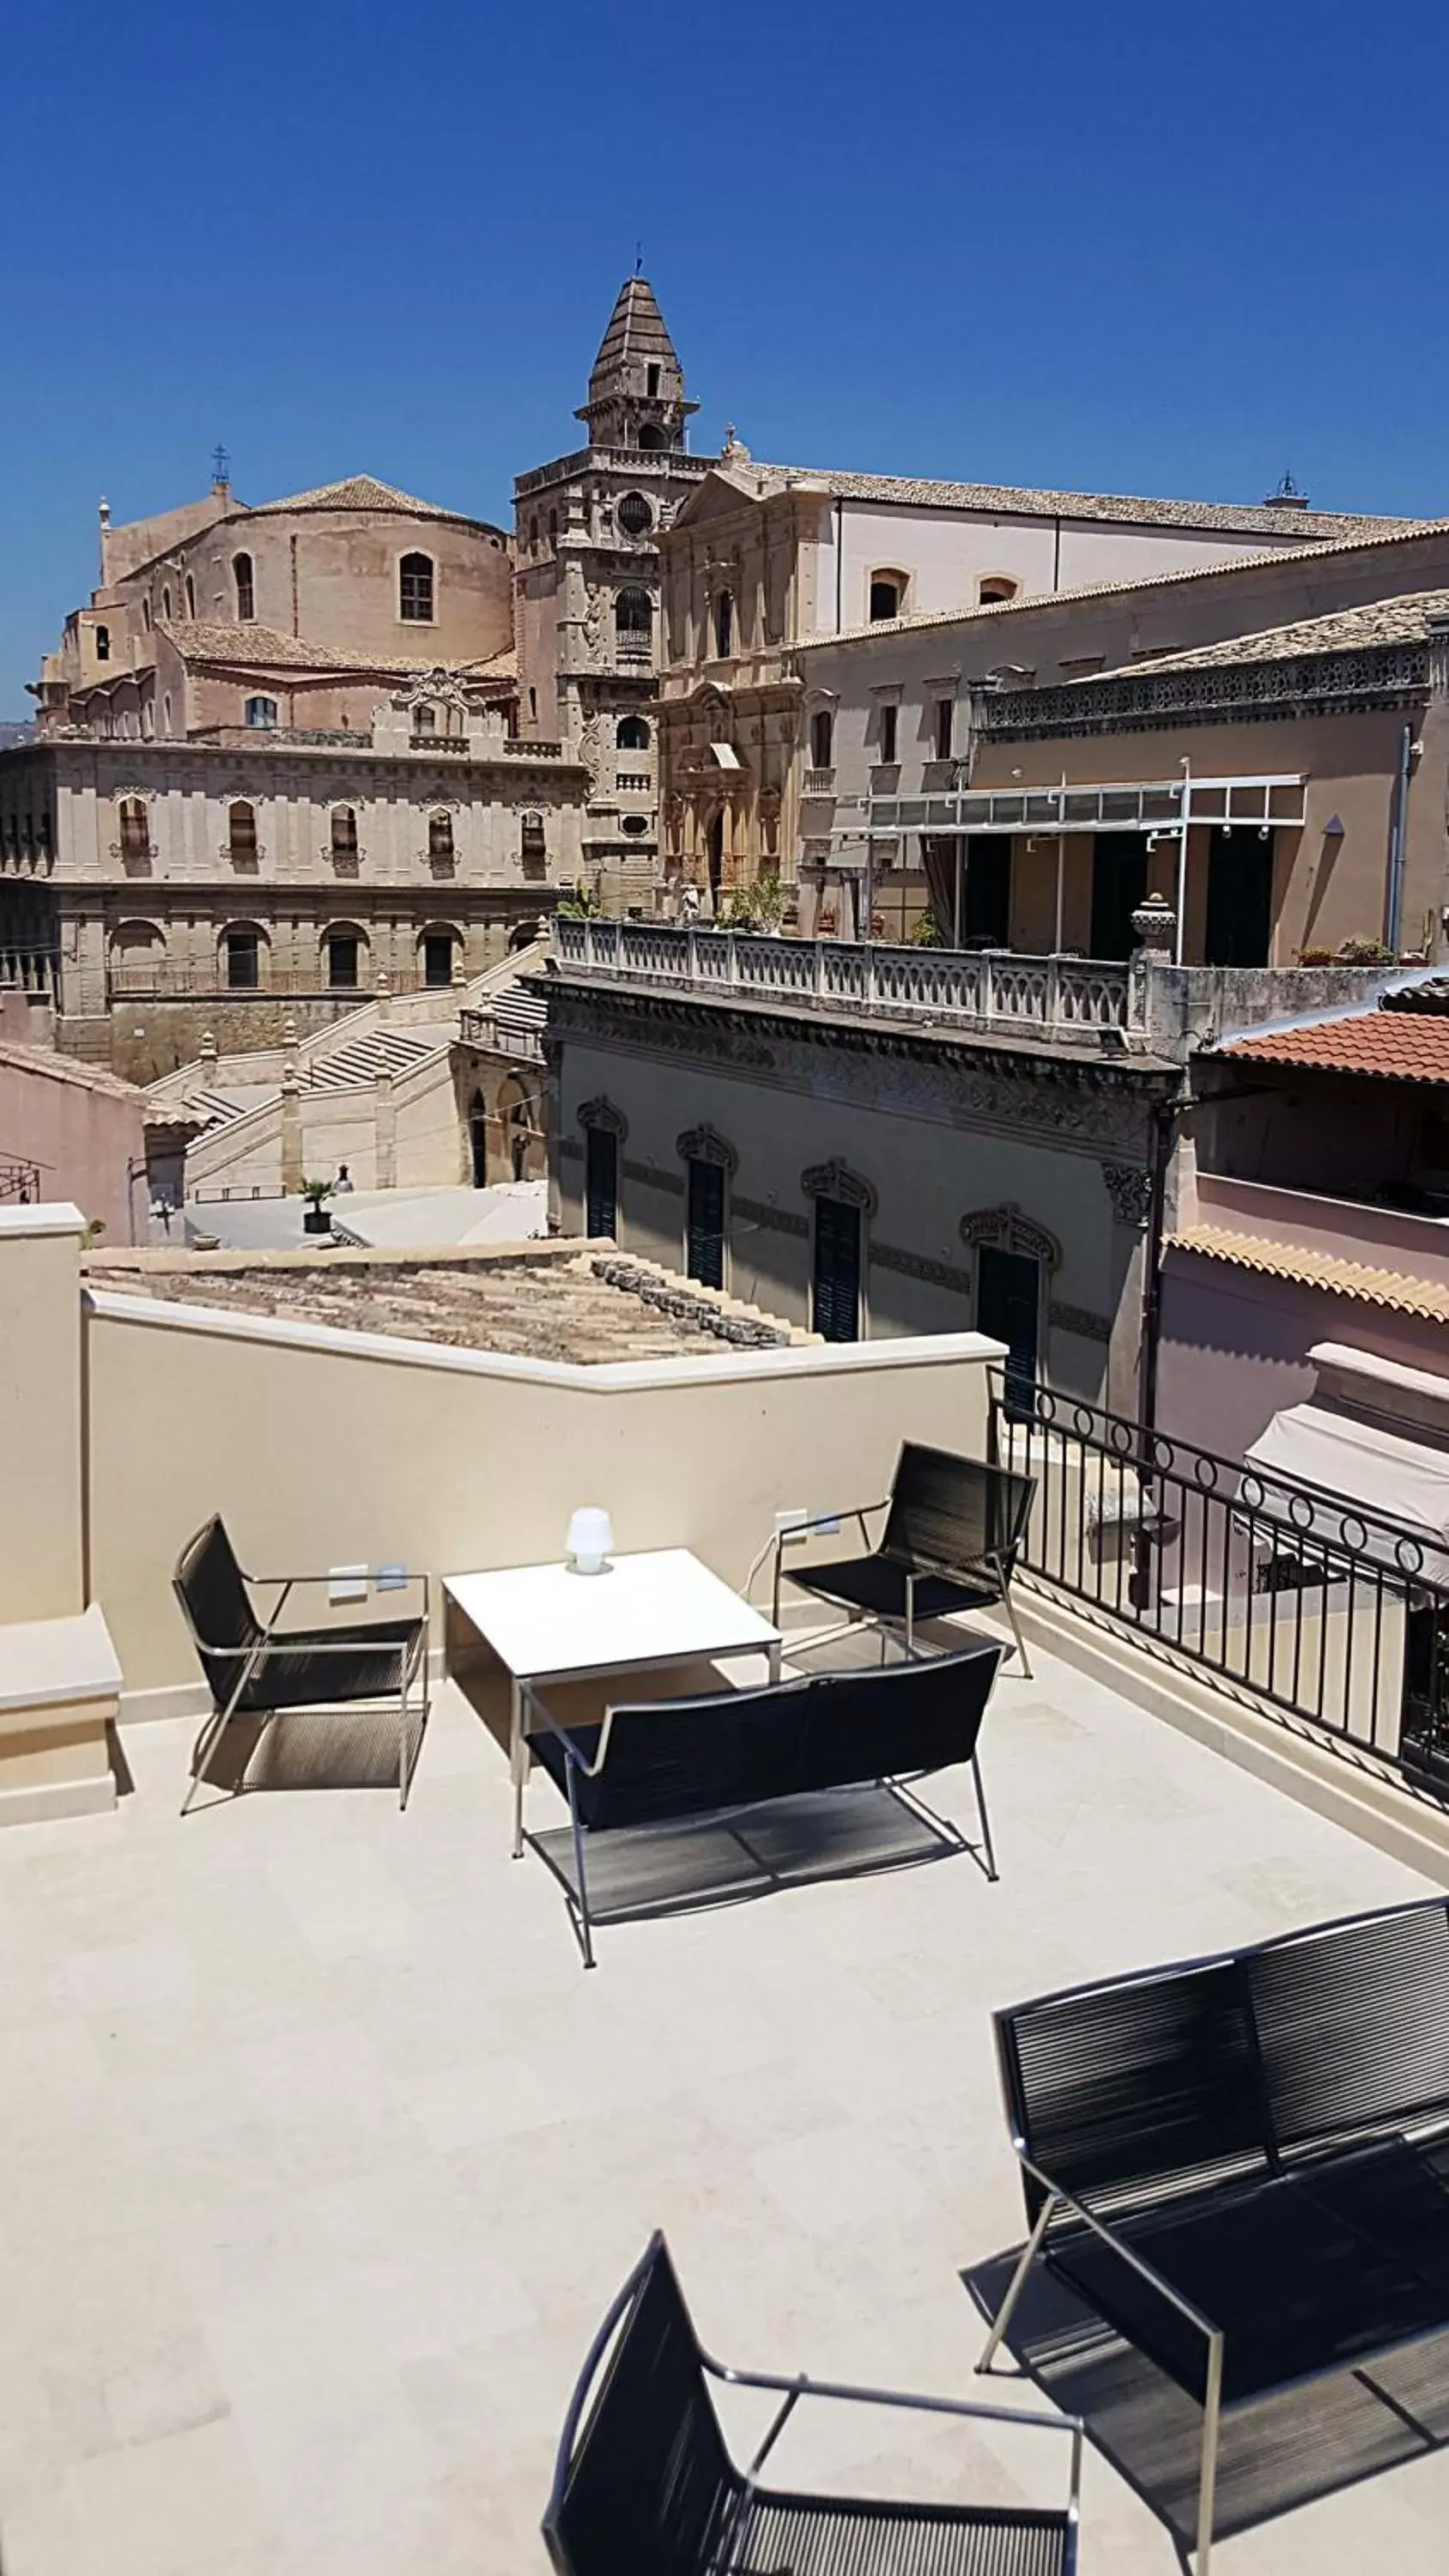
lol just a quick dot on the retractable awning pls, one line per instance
(1354, 1466)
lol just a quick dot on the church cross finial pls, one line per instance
(220, 464)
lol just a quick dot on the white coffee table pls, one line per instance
(545, 1623)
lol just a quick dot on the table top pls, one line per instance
(662, 1606)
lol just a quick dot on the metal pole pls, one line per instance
(1182, 861)
(1398, 846)
(1061, 865)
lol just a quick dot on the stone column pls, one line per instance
(386, 1133)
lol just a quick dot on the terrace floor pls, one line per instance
(321, 2158)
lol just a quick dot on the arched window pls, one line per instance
(650, 437)
(246, 597)
(425, 719)
(631, 733)
(996, 589)
(147, 722)
(440, 839)
(634, 514)
(533, 529)
(342, 954)
(887, 595)
(634, 613)
(553, 527)
(103, 643)
(533, 844)
(822, 739)
(135, 828)
(146, 615)
(344, 839)
(166, 710)
(415, 590)
(261, 714)
(241, 834)
(190, 596)
(166, 603)
(724, 625)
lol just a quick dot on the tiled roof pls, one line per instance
(1358, 1279)
(201, 640)
(1389, 1046)
(360, 492)
(1013, 502)
(1397, 532)
(65, 1068)
(636, 329)
(1344, 630)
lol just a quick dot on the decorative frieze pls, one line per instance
(1007, 1230)
(602, 1113)
(918, 1265)
(650, 1177)
(777, 1219)
(1090, 1327)
(1129, 1187)
(835, 1180)
(1389, 675)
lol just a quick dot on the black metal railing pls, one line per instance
(1335, 1616)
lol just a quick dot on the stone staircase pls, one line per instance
(377, 1051)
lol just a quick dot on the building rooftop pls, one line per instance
(1345, 630)
(364, 492)
(325, 2159)
(214, 640)
(536, 1301)
(1366, 1282)
(1015, 501)
(1386, 1045)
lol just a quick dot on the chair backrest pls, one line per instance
(686, 1757)
(209, 1586)
(1353, 2024)
(1146, 2080)
(948, 1513)
(646, 2485)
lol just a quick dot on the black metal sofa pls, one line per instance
(256, 1669)
(1242, 2163)
(645, 2486)
(952, 1533)
(667, 1762)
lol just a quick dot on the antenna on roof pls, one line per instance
(638, 259)
(220, 468)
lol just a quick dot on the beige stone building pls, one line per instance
(278, 763)
(765, 559)
(586, 536)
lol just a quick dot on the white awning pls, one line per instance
(1355, 1466)
(724, 755)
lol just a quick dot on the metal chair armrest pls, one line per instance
(288, 1581)
(572, 1754)
(1127, 2253)
(792, 2390)
(775, 1543)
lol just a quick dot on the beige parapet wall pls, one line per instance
(330, 1448)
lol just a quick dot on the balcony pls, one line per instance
(633, 782)
(288, 2103)
(448, 745)
(818, 782)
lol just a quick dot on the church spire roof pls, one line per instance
(637, 381)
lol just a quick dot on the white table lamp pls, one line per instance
(591, 1535)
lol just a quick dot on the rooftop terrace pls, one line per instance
(322, 2159)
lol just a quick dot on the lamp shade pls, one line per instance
(591, 1535)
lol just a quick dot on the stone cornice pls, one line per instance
(1386, 676)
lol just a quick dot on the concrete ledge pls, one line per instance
(1348, 1788)
(44, 1801)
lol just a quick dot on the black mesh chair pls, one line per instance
(256, 1670)
(703, 1761)
(953, 1529)
(645, 2485)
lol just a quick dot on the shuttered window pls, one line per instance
(601, 1182)
(836, 1307)
(705, 1235)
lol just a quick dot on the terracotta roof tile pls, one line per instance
(1345, 630)
(206, 640)
(1390, 1046)
(361, 492)
(1358, 1279)
(1013, 501)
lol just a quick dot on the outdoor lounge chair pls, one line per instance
(645, 2486)
(952, 1532)
(702, 1761)
(258, 1671)
(1242, 2163)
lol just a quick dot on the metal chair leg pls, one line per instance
(1007, 2309)
(586, 1935)
(1010, 1609)
(992, 1871)
(1208, 2471)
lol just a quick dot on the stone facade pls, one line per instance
(586, 543)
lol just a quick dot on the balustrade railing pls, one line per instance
(1334, 1615)
(29, 970)
(1070, 997)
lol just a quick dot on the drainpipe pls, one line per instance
(839, 561)
(1398, 845)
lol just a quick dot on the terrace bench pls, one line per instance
(644, 2484)
(700, 1760)
(1242, 2162)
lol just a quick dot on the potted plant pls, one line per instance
(315, 1219)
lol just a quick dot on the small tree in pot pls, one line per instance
(315, 1219)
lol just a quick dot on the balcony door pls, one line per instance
(705, 1223)
(1119, 882)
(601, 1182)
(835, 1305)
(1239, 927)
(1008, 1307)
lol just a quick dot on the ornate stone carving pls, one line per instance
(779, 1220)
(1007, 1230)
(1062, 1318)
(706, 1145)
(1129, 1187)
(835, 1180)
(917, 1265)
(601, 1113)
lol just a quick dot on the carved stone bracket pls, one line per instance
(835, 1180)
(1129, 1187)
(601, 1113)
(706, 1145)
(1005, 1229)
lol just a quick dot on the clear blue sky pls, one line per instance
(1168, 248)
